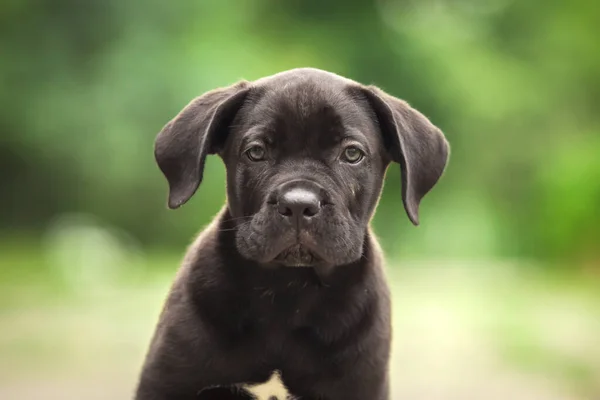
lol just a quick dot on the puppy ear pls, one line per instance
(414, 142)
(199, 129)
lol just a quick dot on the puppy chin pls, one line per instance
(343, 250)
(286, 252)
(297, 255)
(305, 254)
(273, 245)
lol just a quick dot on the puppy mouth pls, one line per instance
(298, 255)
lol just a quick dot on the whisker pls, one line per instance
(238, 218)
(235, 228)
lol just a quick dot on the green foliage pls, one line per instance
(514, 85)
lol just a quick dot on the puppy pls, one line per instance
(286, 286)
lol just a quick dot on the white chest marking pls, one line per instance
(269, 390)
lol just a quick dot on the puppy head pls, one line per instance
(306, 153)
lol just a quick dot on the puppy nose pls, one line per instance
(299, 204)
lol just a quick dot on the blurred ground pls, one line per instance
(478, 331)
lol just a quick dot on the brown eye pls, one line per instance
(256, 153)
(353, 155)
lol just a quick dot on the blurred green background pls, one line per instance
(497, 293)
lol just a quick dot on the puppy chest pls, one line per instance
(272, 389)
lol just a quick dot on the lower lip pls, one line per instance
(304, 257)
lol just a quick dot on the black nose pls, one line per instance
(299, 204)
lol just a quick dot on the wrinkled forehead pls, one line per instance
(304, 110)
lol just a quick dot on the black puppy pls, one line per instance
(286, 286)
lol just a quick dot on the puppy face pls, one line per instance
(306, 153)
(305, 165)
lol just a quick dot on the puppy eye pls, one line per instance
(256, 153)
(353, 155)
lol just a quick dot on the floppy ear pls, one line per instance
(414, 142)
(199, 129)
